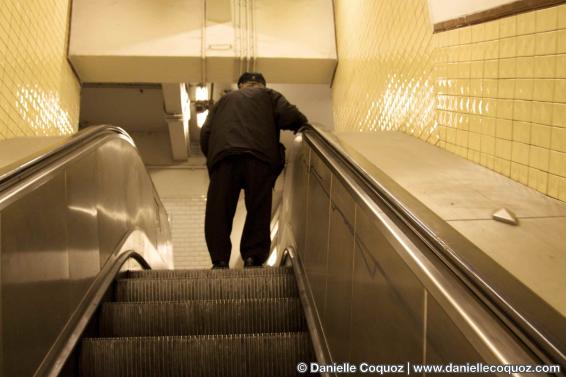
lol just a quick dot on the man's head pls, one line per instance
(250, 80)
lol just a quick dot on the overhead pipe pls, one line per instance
(203, 45)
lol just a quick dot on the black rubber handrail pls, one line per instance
(535, 339)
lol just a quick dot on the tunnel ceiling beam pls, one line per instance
(133, 41)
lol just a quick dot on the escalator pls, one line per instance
(88, 289)
(200, 323)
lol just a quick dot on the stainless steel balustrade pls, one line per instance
(381, 292)
(66, 214)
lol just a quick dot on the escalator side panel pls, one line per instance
(445, 343)
(35, 272)
(62, 224)
(316, 245)
(374, 290)
(339, 276)
(298, 178)
(113, 215)
(82, 224)
(388, 300)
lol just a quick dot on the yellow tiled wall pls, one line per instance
(39, 94)
(494, 93)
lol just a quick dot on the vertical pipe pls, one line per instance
(238, 19)
(203, 45)
(253, 44)
(248, 22)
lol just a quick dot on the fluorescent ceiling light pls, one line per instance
(201, 93)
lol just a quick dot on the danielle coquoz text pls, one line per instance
(409, 368)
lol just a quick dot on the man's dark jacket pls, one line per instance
(249, 121)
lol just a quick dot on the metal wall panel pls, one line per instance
(113, 220)
(298, 189)
(59, 225)
(371, 279)
(339, 275)
(35, 267)
(445, 343)
(82, 224)
(387, 302)
(316, 245)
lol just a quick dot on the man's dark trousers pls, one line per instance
(227, 178)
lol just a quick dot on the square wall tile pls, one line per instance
(538, 180)
(542, 113)
(539, 158)
(508, 27)
(525, 67)
(540, 135)
(546, 19)
(465, 35)
(562, 16)
(520, 153)
(545, 66)
(503, 149)
(488, 145)
(558, 139)
(525, 45)
(504, 129)
(543, 90)
(526, 23)
(491, 30)
(508, 47)
(522, 110)
(561, 41)
(506, 89)
(502, 166)
(559, 115)
(491, 50)
(507, 68)
(553, 184)
(490, 88)
(560, 90)
(557, 164)
(519, 173)
(505, 109)
(524, 89)
(522, 132)
(546, 43)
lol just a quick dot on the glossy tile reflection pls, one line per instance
(39, 94)
(493, 93)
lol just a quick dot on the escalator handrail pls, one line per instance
(35, 160)
(62, 349)
(534, 339)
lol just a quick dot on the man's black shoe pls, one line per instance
(218, 265)
(251, 262)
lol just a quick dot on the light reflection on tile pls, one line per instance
(39, 94)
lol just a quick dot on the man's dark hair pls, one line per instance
(251, 76)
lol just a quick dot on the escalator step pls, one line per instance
(170, 274)
(225, 355)
(202, 317)
(271, 286)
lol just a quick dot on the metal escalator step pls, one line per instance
(171, 274)
(202, 317)
(247, 355)
(271, 286)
